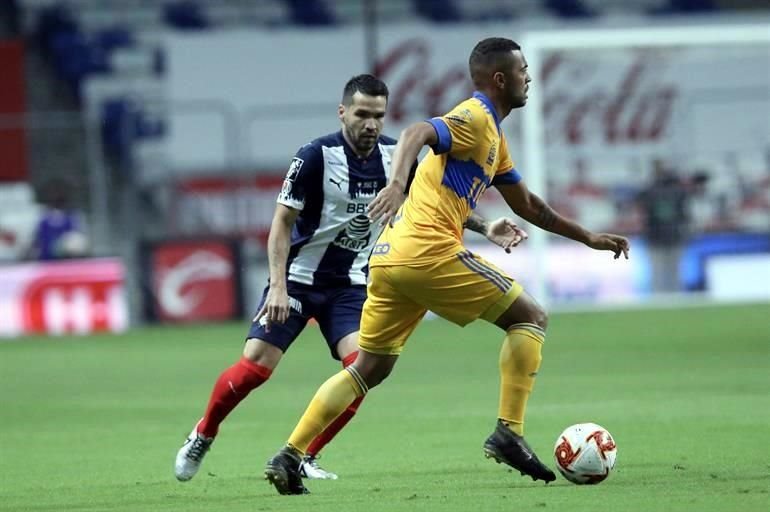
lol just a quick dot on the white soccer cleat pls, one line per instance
(311, 470)
(190, 455)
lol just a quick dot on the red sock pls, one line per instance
(232, 386)
(342, 420)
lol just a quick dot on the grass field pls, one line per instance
(93, 424)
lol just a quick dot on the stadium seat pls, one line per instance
(311, 12)
(440, 11)
(185, 15)
(569, 8)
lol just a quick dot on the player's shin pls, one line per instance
(520, 358)
(331, 399)
(332, 430)
(233, 385)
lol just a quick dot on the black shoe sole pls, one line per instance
(280, 479)
(491, 453)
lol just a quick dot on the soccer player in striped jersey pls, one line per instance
(319, 244)
(419, 262)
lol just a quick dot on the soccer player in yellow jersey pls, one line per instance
(420, 264)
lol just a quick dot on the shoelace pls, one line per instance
(198, 449)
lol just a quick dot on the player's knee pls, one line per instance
(264, 354)
(374, 368)
(540, 317)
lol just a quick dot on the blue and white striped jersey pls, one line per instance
(332, 187)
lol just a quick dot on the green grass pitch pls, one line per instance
(93, 424)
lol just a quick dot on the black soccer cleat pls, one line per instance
(283, 472)
(510, 448)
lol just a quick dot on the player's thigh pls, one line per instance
(389, 316)
(463, 288)
(279, 336)
(339, 317)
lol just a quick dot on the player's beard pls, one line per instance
(364, 143)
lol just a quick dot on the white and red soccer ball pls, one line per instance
(585, 453)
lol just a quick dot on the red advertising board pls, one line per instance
(77, 296)
(194, 280)
(225, 207)
(13, 155)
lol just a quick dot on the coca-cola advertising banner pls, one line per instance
(612, 104)
(68, 297)
(193, 280)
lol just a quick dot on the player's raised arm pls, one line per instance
(390, 198)
(533, 209)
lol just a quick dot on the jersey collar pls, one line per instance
(488, 104)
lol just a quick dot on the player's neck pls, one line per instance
(501, 109)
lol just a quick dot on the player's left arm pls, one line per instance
(503, 232)
(532, 208)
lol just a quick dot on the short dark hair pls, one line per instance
(365, 84)
(488, 54)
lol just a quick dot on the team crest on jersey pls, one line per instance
(366, 188)
(356, 234)
(492, 154)
(294, 167)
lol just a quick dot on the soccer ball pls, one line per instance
(585, 453)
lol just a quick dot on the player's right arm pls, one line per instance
(390, 198)
(303, 179)
(276, 306)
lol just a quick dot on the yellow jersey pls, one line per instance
(471, 153)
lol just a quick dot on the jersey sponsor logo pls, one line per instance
(381, 249)
(294, 167)
(355, 236)
(357, 208)
(460, 118)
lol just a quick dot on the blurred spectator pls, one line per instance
(9, 18)
(581, 184)
(60, 232)
(666, 225)
(569, 8)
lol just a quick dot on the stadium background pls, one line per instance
(169, 125)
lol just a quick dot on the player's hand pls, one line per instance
(505, 233)
(386, 204)
(275, 309)
(609, 242)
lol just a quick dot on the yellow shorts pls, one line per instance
(461, 289)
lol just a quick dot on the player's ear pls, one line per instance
(341, 111)
(499, 79)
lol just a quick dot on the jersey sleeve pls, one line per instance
(505, 174)
(459, 130)
(304, 174)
